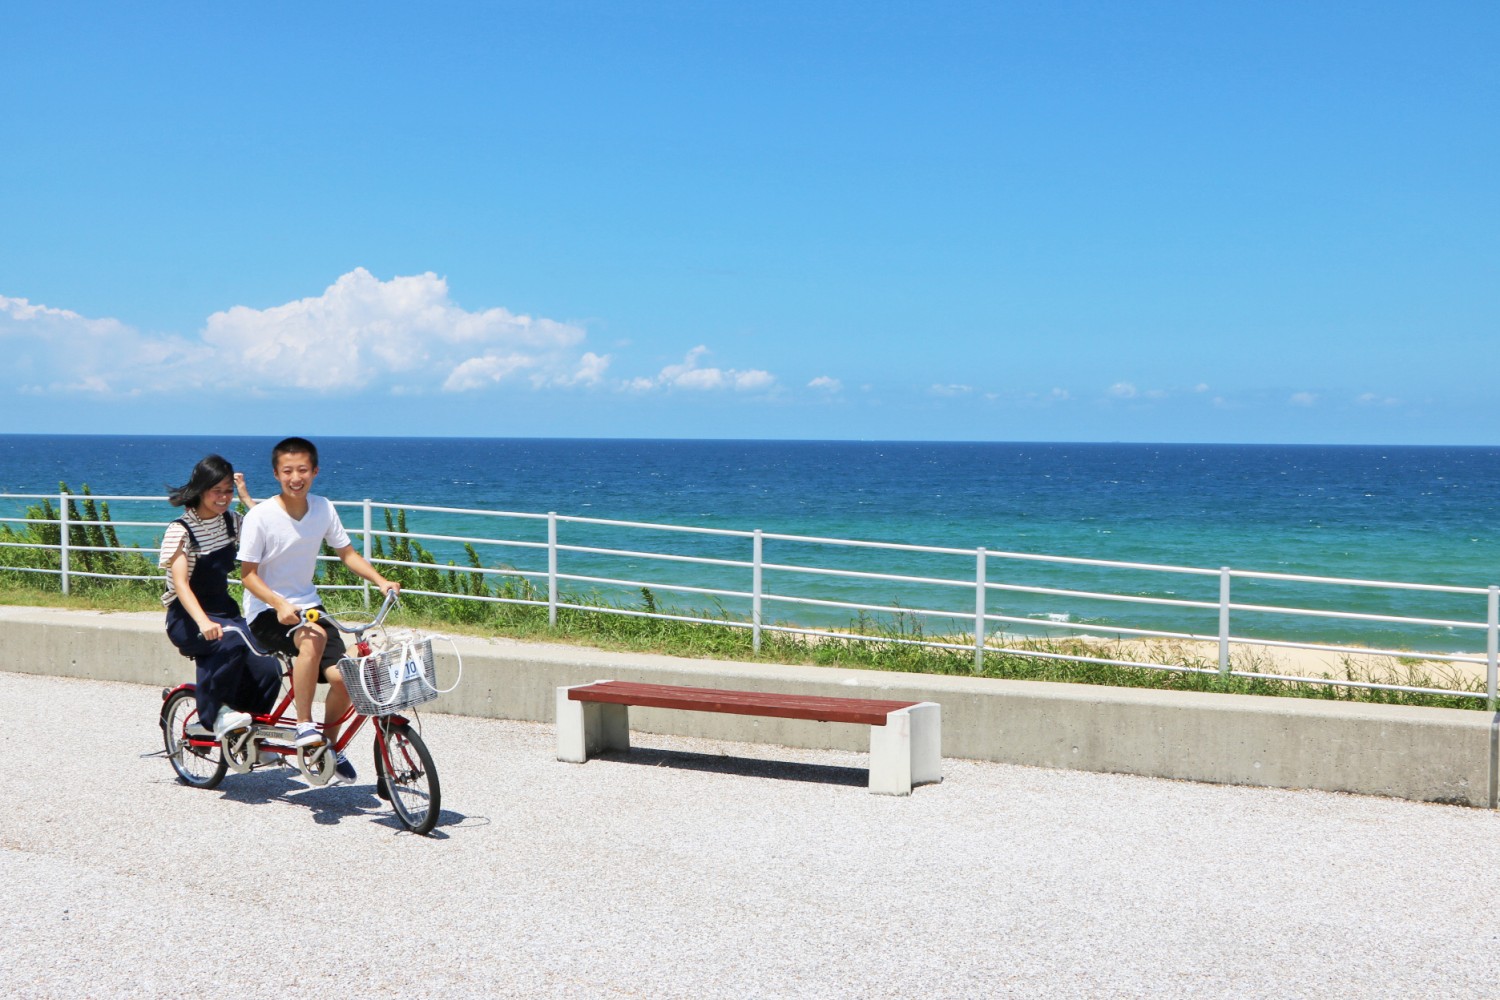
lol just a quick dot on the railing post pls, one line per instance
(367, 551)
(1224, 621)
(755, 562)
(62, 516)
(552, 567)
(981, 577)
(1494, 645)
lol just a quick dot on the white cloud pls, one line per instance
(588, 371)
(753, 379)
(687, 375)
(1129, 390)
(1303, 399)
(826, 383)
(476, 373)
(951, 390)
(1375, 399)
(57, 350)
(1201, 387)
(362, 332)
(404, 335)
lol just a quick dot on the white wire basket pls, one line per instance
(398, 677)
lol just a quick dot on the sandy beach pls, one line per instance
(1416, 670)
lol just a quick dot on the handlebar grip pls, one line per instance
(312, 614)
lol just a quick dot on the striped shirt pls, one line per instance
(211, 534)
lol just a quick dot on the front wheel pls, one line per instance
(405, 771)
(199, 766)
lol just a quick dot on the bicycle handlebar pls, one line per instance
(312, 615)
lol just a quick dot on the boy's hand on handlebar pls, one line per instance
(386, 586)
(288, 613)
(211, 630)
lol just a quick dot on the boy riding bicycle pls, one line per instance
(279, 545)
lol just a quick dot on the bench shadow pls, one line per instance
(749, 767)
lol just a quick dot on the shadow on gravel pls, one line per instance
(750, 767)
(330, 805)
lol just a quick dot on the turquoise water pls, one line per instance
(1392, 513)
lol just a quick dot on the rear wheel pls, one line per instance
(199, 766)
(405, 772)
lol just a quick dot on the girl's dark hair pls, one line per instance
(211, 471)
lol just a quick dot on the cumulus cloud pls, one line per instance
(58, 350)
(363, 331)
(826, 383)
(404, 335)
(1303, 398)
(688, 375)
(753, 379)
(951, 390)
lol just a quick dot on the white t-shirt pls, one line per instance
(286, 550)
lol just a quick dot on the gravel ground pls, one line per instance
(694, 868)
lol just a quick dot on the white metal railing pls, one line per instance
(979, 626)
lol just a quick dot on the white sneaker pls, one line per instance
(229, 720)
(307, 735)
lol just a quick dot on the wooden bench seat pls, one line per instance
(905, 736)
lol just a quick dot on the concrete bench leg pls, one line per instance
(907, 750)
(587, 727)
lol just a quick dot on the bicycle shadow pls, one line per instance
(748, 767)
(328, 804)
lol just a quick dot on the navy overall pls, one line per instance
(229, 673)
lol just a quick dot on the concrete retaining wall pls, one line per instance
(1425, 754)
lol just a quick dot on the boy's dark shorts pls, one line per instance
(272, 636)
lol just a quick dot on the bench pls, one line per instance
(905, 736)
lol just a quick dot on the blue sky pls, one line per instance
(1269, 222)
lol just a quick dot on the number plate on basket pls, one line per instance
(400, 675)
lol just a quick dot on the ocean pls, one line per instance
(1412, 514)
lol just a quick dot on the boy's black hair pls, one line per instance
(210, 471)
(294, 446)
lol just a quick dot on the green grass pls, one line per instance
(873, 643)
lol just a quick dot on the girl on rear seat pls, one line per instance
(198, 553)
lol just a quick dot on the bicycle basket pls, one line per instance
(398, 677)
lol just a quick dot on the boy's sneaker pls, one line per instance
(228, 721)
(344, 770)
(307, 734)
